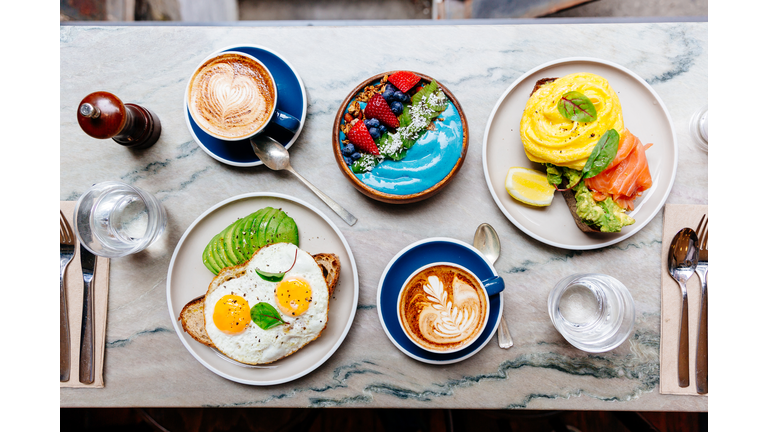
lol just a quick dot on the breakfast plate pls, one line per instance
(410, 259)
(188, 278)
(644, 114)
(432, 162)
(292, 99)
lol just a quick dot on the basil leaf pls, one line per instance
(276, 276)
(270, 277)
(266, 316)
(602, 154)
(577, 107)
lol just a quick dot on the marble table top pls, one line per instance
(147, 365)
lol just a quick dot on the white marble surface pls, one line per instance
(146, 364)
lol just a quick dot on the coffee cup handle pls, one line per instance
(494, 285)
(286, 121)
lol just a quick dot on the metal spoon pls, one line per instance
(487, 242)
(275, 157)
(682, 261)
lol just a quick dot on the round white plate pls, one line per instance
(188, 278)
(644, 115)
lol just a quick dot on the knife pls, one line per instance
(88, 262)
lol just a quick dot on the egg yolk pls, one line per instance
(231, 314)
(293, 296)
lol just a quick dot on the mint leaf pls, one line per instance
(276, 276)
(602, 154)
(266, 316)
(577, 107)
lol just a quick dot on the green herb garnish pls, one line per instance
(602, 154)
(276, 276)
(577, 107)
(266, 316)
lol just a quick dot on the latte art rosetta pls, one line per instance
(444, 322)
(442, 308)
(231, 96)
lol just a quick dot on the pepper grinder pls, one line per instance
(103, 115)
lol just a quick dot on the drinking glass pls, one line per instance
(594, 312)
(699, 128)
(114, 219)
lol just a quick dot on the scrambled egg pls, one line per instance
(548, 137)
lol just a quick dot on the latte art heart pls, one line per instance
(231, 96)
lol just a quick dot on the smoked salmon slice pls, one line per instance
(626, 177)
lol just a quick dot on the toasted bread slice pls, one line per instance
(192, 317)
(570, 199)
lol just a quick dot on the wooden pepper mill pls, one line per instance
(102, 115)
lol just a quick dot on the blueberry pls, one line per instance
(387, 95)
(355, 156)
(400, 96)
(382, 129)
(367, 123)
(348, 149)
(375, 133)
(347, 160)
(373, 123)
(396, 107)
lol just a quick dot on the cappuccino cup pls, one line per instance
(232, 96)
(444, 307)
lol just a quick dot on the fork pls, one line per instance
(702, 373)
(66, 252)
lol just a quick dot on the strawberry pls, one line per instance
(404, 80)
(378, 108)
(361, 138)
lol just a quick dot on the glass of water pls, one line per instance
(114, 219)
(594, 312)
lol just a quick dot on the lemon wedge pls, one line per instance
(529, 186)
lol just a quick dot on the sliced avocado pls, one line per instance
(208, 259)
(261, 235)
(288, 231)
(270, 231)
(230, 242)
(220, 251)
(239, 237)
(243, 236)
(223, 246)
(253, 230)
(215, 256)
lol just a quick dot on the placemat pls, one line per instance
(677, 217)
(73, 283)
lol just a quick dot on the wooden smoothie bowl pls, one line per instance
(383, 196)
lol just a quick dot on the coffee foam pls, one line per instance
(231, 96)
(442, 308)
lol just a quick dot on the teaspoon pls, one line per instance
(275, 157)
(487, 242)
(682, 261)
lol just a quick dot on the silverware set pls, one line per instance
(688, 254)
(88, 263)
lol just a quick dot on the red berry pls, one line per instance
(404, 80)
(378, 108)
(361, 138)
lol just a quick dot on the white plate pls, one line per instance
(188, 278)
(644, 114)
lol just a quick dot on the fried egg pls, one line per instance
(300, 298)
(548, 137)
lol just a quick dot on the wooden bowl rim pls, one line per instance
(383, 196)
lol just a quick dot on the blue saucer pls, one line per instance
(291, 99)
(410, 259)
